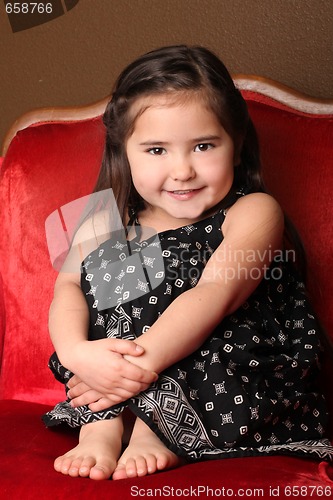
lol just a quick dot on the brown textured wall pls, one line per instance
(75, 58)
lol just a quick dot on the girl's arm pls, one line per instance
(100, 363)
(253, 227)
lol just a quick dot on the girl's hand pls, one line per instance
(81, 394)
(100, 365)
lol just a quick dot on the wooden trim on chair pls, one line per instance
(56, 114)
(270, 88)
(284, 95)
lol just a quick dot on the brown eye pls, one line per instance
(156, 151)
(201, 148)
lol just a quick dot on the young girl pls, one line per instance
(219, 359)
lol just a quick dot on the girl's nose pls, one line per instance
(182, 170)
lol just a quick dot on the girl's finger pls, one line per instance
(135, 373)
(73, 381)
(122, 346)
(106, 402)
(86, 398)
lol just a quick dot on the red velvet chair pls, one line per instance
(53, 160)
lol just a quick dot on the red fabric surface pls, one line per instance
(30, 449)
(298, 170)
(46, 167)
(52, 164)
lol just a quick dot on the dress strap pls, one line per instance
(230, 199)
(227, 203)
(133, 219)
(133, 222)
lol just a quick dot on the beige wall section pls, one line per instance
(75, 58)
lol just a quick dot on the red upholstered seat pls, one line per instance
(54, 162)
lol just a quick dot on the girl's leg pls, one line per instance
(145, 454)
(97, 453)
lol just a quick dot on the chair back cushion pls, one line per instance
(51, 164)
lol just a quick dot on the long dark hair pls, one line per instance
(179, 70)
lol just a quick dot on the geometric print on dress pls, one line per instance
(322, 448)
(76, 417)
(168, 407)
(127, 271)
(119, 324)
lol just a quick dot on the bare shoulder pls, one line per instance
(94, 231)
(254, 210)
(257, 202)
(96, 227)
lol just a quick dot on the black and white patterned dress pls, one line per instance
(249, 390)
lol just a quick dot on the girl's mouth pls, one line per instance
(183, 194)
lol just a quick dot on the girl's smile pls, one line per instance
(181, 159)
(184, 195)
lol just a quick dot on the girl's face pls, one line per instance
(181, 159)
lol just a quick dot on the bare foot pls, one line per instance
(96, 454)
(144, 455)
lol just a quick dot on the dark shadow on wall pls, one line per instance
(27, 15)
